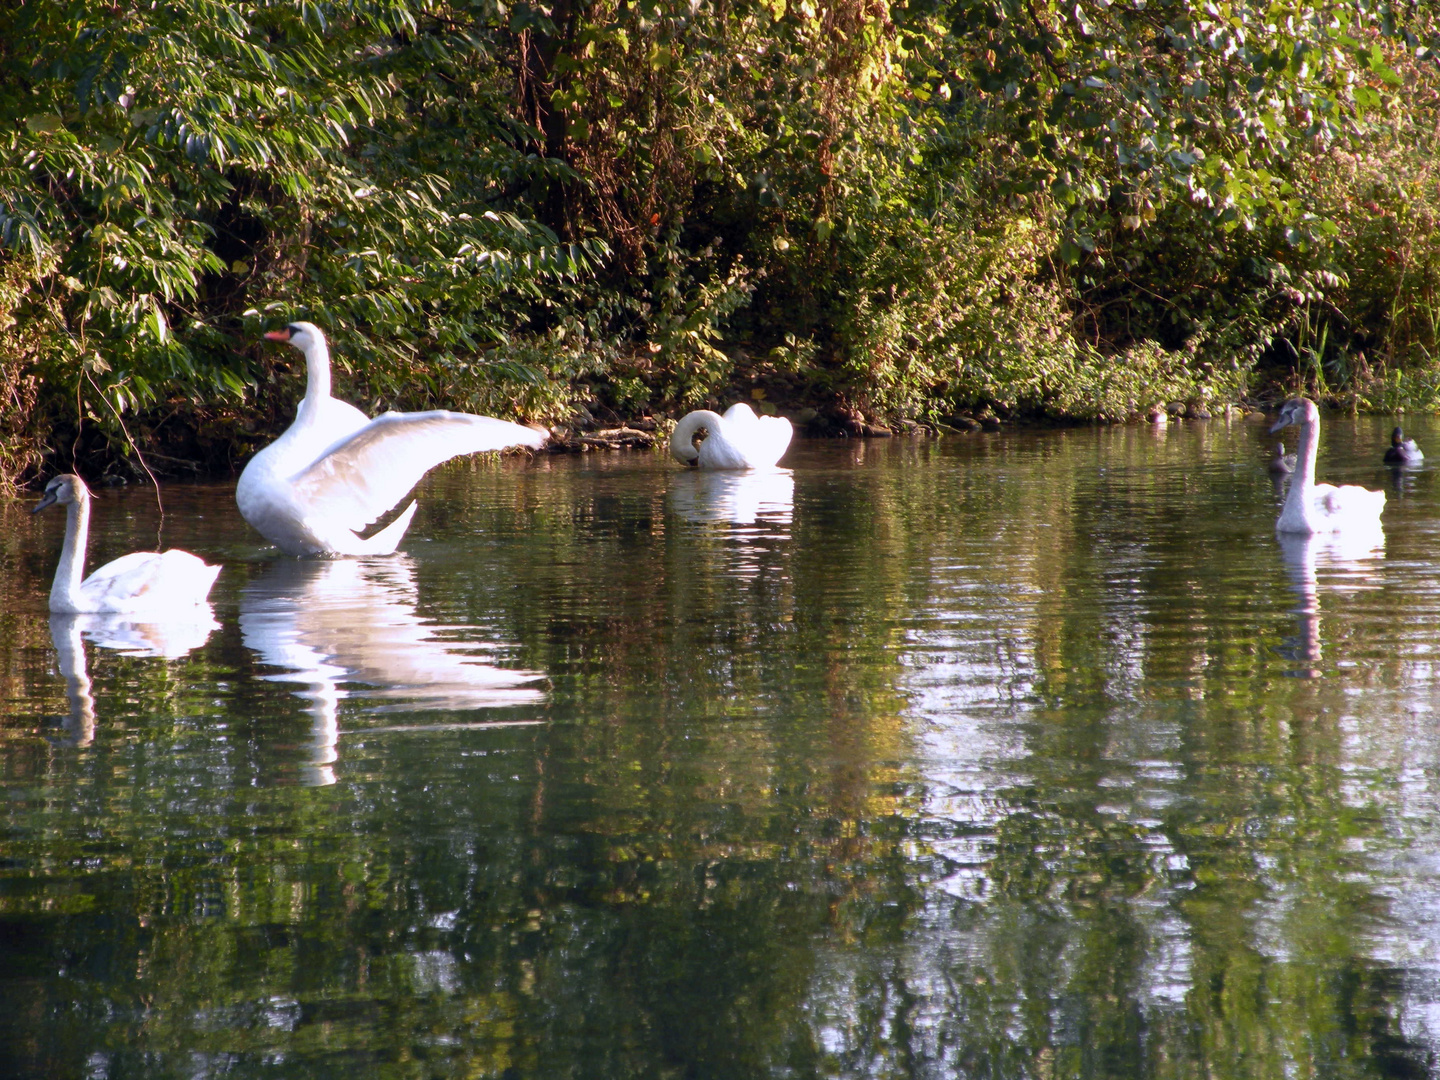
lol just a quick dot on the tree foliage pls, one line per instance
(885, 212)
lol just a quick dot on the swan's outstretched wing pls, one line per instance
(363, 475)
(149, 581)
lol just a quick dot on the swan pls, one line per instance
(1318, 508)
(737, 440)
(334, 470)
(151, 582)
(1282, 463)
(1403, 451)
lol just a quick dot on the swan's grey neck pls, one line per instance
(1305, 453)
(681, 446)
(1302, 481)
(317, 370)
(65, 592)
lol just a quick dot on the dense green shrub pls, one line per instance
(886, 212)
(175, 177)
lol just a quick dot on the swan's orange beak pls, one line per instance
(278, 335)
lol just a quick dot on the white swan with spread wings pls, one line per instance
(335, 471)
(737, 440)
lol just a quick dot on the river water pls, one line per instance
(1021, 755)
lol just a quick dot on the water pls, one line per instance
(1031, 755)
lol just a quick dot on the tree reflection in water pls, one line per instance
(981, 757)
(168, 639)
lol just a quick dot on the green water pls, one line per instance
(1030, 755)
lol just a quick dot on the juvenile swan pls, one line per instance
(1403, 451)
(1320, 508)
(737, 440)
(150, 582)
(335, 470)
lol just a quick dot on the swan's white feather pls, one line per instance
(1347, 501)
(334, 470)
(737, 440)
(363, 475)
(148, 581)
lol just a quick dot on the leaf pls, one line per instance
(44, 124)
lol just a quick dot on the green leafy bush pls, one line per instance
(885, 212)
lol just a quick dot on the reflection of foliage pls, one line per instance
(735, 849)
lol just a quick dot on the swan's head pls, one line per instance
(1397, 437)
(1296, 411)
(302, 335)
(63, 490)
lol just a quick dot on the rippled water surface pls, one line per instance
(1023, 755)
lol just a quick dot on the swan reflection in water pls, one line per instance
(740, 498)
(167, 639)
(1350, 559)
(744, 518)
(353, 621)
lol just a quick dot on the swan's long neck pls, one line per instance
(317, 372)
(65, 592)
(1305, 453)
(682, 447)
(1302, 481)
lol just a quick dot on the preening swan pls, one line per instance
(1403, 451)
(152, 582)
(335, 470)
(737, 440)
(1317, 508)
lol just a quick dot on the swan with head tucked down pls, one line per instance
(737, 440)
(151, 582)
(335, 470)
(1320, 508)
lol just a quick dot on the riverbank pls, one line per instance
(159, 452)
(870, 211)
